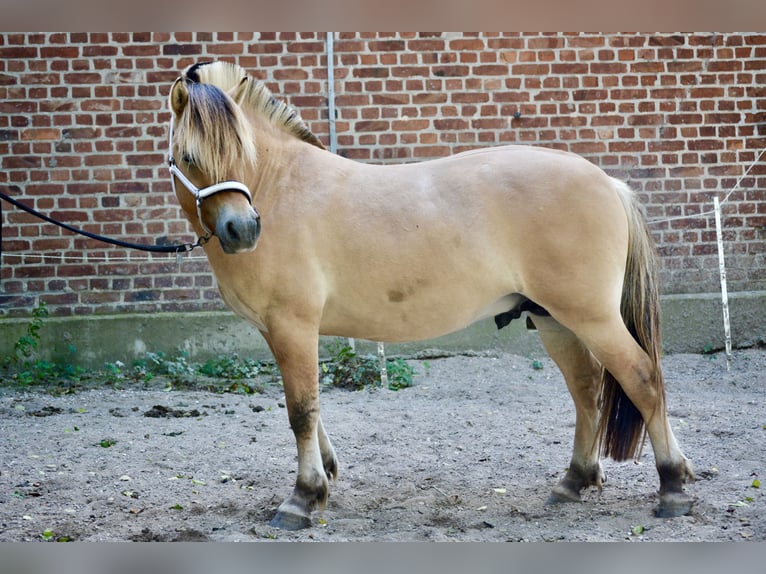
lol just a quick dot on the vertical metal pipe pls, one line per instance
(330, 49)
(330, 53)
(724, 290)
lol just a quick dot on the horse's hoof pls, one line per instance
(562, 495)
(290, 521)
(673, 504)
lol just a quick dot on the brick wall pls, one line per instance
(83, 138)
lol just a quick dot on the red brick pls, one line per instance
(375, 126)
(41, 134)
(235, 48)
(431, 151)
(429, 45)
(410, 125)
(530, 69)
(18, 53)
(83, 78)
(490, 70)
(301, 47)
(387, 46)
(451, 124)
(378, 72)
(450, 71)
(586, 41)
(429, 98)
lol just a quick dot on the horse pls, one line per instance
(310, 243)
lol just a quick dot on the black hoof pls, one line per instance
(672, 505)
(289, 521)
(562, 497)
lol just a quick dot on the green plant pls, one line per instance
(26, 345)
(113, 373)
(231, 367)
(180, 373)
(347, 369)
(26, 368)
(177, 369)
(400, 374)
(67, 367)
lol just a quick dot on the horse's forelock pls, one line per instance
(255, 96)
(192, 72)
(215, 132)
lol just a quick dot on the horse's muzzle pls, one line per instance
(237, 230)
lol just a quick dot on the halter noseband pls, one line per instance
(202, 193)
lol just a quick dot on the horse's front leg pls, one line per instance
(296, 353)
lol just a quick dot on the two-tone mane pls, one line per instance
(252, 95)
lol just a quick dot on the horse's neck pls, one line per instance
(277, 155)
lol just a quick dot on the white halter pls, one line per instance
(205, 192)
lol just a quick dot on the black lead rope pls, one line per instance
(176, 248)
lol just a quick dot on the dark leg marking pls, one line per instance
(576, 478)
(673, 500)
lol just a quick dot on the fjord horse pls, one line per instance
(408, 252)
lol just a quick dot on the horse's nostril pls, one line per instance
(231, 230)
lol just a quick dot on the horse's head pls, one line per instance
(212, 154)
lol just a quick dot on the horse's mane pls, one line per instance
(256, 96)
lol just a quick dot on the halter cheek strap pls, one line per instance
(201, 193)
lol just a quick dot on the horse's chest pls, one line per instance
(241, 306)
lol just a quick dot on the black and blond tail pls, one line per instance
(622, 428)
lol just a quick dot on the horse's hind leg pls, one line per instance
(618, 352)
(583, 375)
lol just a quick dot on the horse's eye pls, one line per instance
(188, 159)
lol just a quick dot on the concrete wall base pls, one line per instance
(691, 324)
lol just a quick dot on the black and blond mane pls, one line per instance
(255, 96)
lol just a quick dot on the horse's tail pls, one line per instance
(622, 428)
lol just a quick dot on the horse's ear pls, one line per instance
(179, 96)
(238, 91)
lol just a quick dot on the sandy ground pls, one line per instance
(470, 452)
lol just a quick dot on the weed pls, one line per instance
(400, 374)
(345, 369)
(178, 370)
(26, 345)
(231, 367)
(348, 370)
(113, 374)
(26, 368)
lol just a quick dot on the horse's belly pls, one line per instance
(402, 322)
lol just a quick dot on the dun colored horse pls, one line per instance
(408, 252)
